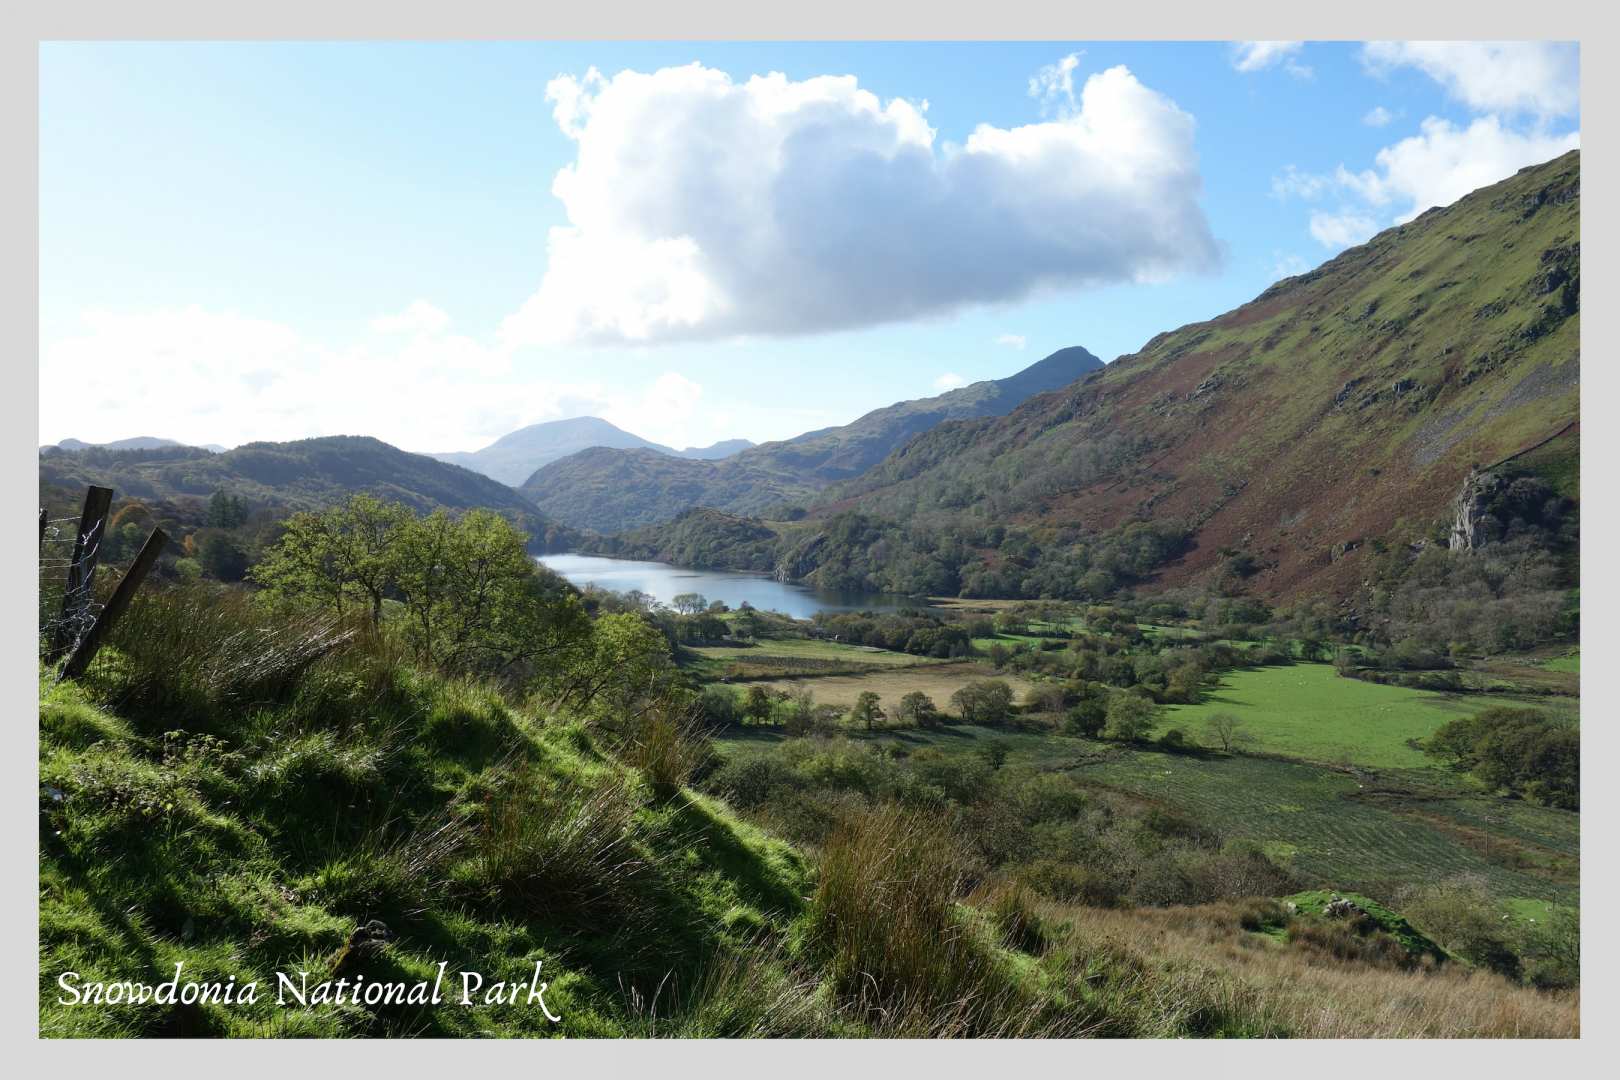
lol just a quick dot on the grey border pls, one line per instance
(827, 20)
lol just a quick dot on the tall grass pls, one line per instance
(900, 953)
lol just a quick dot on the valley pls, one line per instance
(1119, 699)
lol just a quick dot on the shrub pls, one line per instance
(1522, 750)
(558, 847)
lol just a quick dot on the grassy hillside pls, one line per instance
(1338, 412)
(612, 491)
(303, 475)
(227, 793)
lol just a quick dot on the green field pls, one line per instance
(1309, 711)
(1570, 663)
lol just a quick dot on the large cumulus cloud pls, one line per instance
(702, 207)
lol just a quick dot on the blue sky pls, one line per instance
(243, 241)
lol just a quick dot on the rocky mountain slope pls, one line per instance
(1341, 409)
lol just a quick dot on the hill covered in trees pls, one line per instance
(609, 491)
(303, 475)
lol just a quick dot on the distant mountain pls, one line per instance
(722, 449)
(139, 442)
(612, 490)
(513, 458)
(302, 475)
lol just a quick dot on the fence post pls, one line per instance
(82, 566)
(86, 651)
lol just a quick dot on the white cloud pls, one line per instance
(1542, 78)
(1250, 56)
(703, 208)
(420, 317)
(1012, 341)
(1344, 229)
(1302, 185)
(949, 381)
(1053, 86)
(1446, 162)
(1377, 116)
(232, 378)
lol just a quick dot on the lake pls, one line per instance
(664, 582)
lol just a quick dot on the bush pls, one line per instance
(1522, 750)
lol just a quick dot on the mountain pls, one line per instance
(1280, 448)
(139, 442)
(302, 475)
(724, 448)
(613, 490)
(513, 458)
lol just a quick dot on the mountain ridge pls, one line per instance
(303, 474)
(515, 456)
(609, 491)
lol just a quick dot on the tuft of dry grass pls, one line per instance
(1184, 962)
(900, 956)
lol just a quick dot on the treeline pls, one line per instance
(909, 631)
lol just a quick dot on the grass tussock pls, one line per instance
(1189, 962)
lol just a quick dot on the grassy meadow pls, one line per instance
(1310, 712)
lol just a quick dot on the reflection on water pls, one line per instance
(664, 582)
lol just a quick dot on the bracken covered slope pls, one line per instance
(1343, 405)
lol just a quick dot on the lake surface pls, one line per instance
(664, 582)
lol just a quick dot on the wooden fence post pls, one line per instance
(82, 566)
(86, 651)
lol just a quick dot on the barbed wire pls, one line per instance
(67, 614)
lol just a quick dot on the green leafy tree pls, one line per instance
(226, 511)
(1130, 718)
(220, 556)
(867, 711)
(472, 598)
(986, 702)
(757, 705)
(338, 557)
(689, 603)
(918, 710)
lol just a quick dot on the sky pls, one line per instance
(438, 243)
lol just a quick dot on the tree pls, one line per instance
(221, 557)
(621, 670)
(1225, 729)
(866, 710)
(472, 597)
(757, 705)
(338, 556)
(799, 710)
(1130, 717)
(986, 702)
(689, 603)
(226, 511)
(918, 709)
